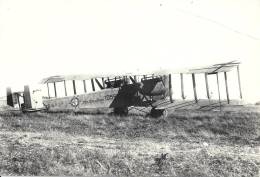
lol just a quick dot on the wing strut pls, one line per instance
(18, 100)
(226, 83)
(85, 87)
(98, 83)
(218, 92)
(239, 82)
(135, 78)
(182, 86)
(74, 87)
(132, 79)
(207, 85)
(194, 87)
(170, 87)
(103, 82)
(65, 89)
(48, 90)
(55, 91)
(93, 86)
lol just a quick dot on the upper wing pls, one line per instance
(221, 67)
(60, 78)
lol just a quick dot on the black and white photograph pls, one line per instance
(130, 88)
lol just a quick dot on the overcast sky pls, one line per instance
(40, 38)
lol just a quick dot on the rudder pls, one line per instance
(27, 97)
(9, 96)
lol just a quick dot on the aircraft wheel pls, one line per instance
(122, 111)
(158, 112)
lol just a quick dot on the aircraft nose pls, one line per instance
(160, 91)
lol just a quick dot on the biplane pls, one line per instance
(124, 92)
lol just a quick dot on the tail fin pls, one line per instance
(27, 97)
(9, 96)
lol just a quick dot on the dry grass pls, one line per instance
(197, 143)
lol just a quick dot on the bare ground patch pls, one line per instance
(194, 144)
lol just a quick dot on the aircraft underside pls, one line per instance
(144, 94)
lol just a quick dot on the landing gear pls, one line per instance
(122, 111)
(158, 113)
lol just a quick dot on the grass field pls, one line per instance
(186, 143)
